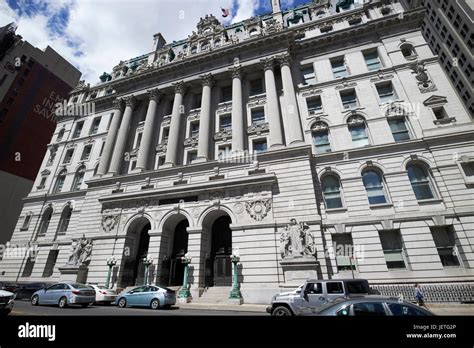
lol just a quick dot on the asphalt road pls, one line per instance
(25, 308)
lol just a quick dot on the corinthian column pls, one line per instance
(237, 114)
(117, 156)
(295, 132)
(173, 138)
(275, 138)
(205, 118)
(112, 135)
(148, 131)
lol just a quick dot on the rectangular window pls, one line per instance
(226, 94)
(339, 68)
(372, 60)
(166, 133)
(224, 151)
(349, 99)
(258, 116)
(161, 160)
(68, 156)
(314, 104)
(259, 145)
(386, 92)
(133, 165)
(78, 130)
(444, 239)
(95, 125)
(392, 246)
(256, 87)
(359, 135)
(308, 76)
(197, 100)
(86, 153)
(26, 222)
(42, 182)
(440, 113)
(50, 263)
(192, 155)
(343, 247)
(29, 265)
(399, 129)
(194, 128)
(321, 141)
(225, 122)
(138, 140)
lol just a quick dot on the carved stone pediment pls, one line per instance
(223, 134)
(258, 128)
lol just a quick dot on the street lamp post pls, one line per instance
(147, 261)
(235, 294)
(184, 293)
(111, 263)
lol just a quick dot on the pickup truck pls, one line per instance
(313, 293)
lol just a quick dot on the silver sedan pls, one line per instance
(64, 294)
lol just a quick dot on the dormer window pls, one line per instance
(193, 49)
(204, 46)
(253, 32)
(217, 43)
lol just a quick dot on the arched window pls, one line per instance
(205, 46)
(253, 32)
(332, 191)
(398, 126)
(358, 130)
(45, 219)
(60, 181)
(65, 218)
(420, 181)
(217, 43)
(78, 178)
(374, 186)
(193, 49)
(320, 132)
(60, 135)
(408, 51)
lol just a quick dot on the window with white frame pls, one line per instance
(339, 67)
(420, 181)
(164, 135)
(345, 260)
(224, 151)
(78, 179)
(95, 125)
(392, 246)
(349, 99)
(314, 104)
(372, 60)
(320, 133)
(225, 122)
(331, 187)
(194, 129)
(308, 76)
(68, 156)
(444, 238)
(374, 186)
(440, 113)
(259, 145)
(42, 182)
(386, 92)
(399, 128)
(358, 130)
(78, 130)
(60, 135)
(192, 155)
(60, 181)
(86, 153)
(258, 116)
(26, 221)
(467, 169)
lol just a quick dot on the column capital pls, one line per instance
(154, 94)
(267, 63)
(236, 71)
(130, 101)
(207, 80)
(284, 59)
(179, 87)
(118, 103)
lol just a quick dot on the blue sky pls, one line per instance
(95, 35)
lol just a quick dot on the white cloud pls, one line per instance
(107, 32)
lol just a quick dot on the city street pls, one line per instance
(25, 308)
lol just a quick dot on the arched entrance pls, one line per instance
(218, 267)
(135, 250)
(174, 246)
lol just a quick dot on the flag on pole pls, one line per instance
(225, 12)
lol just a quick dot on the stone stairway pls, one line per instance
(214, 295)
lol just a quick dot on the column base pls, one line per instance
(184, 299)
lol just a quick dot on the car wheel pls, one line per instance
(155, 304)
(122, 302)
(35, 300)
(62, 302)
(281, 312)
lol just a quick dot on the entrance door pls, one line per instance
(221, 249)
(180, 247)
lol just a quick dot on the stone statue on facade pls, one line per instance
(80, 252)
(296, 240)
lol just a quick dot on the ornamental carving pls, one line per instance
(191, 141)
(109, 222)
(258, 209)
(267, 63)
(179, 87)
(223, 135)
(118, 103)
(130, 101)
(80, 252)
(284, 59)
(162, 147)
(236, 71)
(346, 84)
(311, 92)
(207, 80)
(258, 128)
(425, 84)
(296, 240)
(238, 208)
(154, 94)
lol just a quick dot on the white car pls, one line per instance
(103, 295)
(6, 302)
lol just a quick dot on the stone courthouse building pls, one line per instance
(342, 120)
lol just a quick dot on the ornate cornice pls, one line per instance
(223, 135)
(258, 128)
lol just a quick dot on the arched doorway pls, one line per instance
(135, 250)
(218, 267)
(174, 246)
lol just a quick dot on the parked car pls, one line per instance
(6, 301)
(372, 305)
(148, 296)
(313, 293)
(10, 287)
(64, 294)
(102, 294)
(25, 291)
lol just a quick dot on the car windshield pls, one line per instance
(325, 306)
